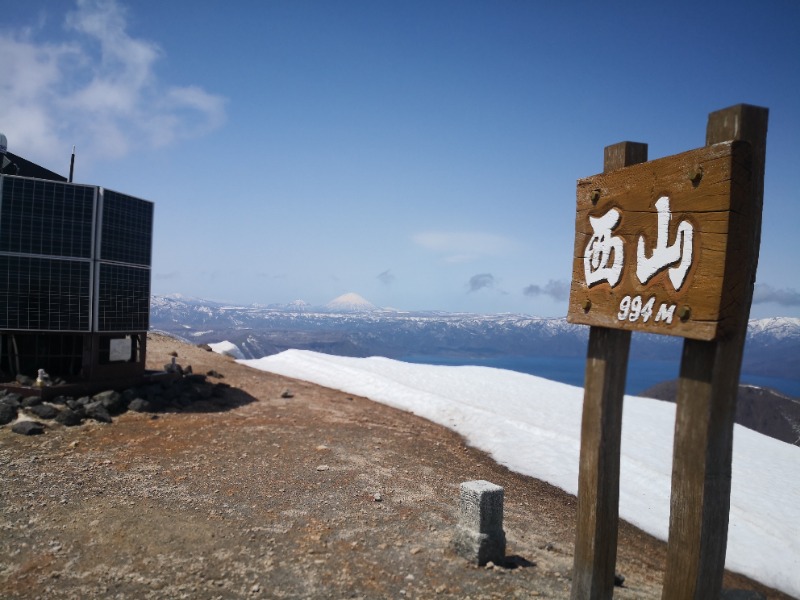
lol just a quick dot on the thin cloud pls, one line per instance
(462, 247)
(167, 276)
(387, 277)
(98, 90)
(481, 281)
(556, 289)
(763, 294)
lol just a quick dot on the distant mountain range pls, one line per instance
(763, 410)
(352, 326)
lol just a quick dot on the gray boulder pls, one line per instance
(7, 413)
(43, 411)
(139, 405)
(25, 380)
(12, 399)
(98, 412)
(30, 401)
(68, 418)
(28, 428)
(113, 401)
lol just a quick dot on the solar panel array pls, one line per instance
(44, 294)
(127, 232)
(53, 278)
(123, 291)
(123, 298)
(46, 217)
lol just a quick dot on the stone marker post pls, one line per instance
(479, 534)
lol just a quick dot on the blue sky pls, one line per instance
(421, 154)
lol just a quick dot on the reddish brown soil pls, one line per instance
(259, 496)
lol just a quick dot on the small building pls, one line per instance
(75, 264)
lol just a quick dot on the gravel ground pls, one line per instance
(255, 495)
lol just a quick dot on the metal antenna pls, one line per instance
(72, 164)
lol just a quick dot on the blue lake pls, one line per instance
(642, 374)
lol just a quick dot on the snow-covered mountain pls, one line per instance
(775, 328)
(350, 302)
(351, 326)
(259, 331)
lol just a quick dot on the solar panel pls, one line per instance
(44, 294)
(127, 229)
(48, 257)
(123, 298)
(46, 217)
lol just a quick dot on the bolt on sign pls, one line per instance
(656, 243)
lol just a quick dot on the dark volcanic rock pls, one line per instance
(12, 399)
(73, 403)
(24, 380)
(7, 413)
(30, 401)
(113, 401)
(188, 392)
(98, 412)
(43, 411)
(68, 417)
(27, 428)
(139, 405)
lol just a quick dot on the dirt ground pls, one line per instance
(259, 496)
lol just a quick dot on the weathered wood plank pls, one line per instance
(702, 189)
(601, 430)
(706, 403)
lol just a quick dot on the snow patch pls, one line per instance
(532, 425)
(227, 348)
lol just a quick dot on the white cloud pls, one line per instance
(98, 89)
(462, 247)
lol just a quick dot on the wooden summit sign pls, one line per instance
(668, 246)
(656, 243)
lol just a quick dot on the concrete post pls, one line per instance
(479, 535)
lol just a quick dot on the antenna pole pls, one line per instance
(3, 150)
(72, 164)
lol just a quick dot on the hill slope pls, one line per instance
(760, 409)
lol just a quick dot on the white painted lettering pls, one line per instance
(601, 248)
(634, 308)
(647, 309)
(665, 313)
(665, 255)
(624, 308)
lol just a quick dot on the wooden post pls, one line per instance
(706, 404)
(601, 430)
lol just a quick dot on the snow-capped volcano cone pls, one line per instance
(350, 303)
